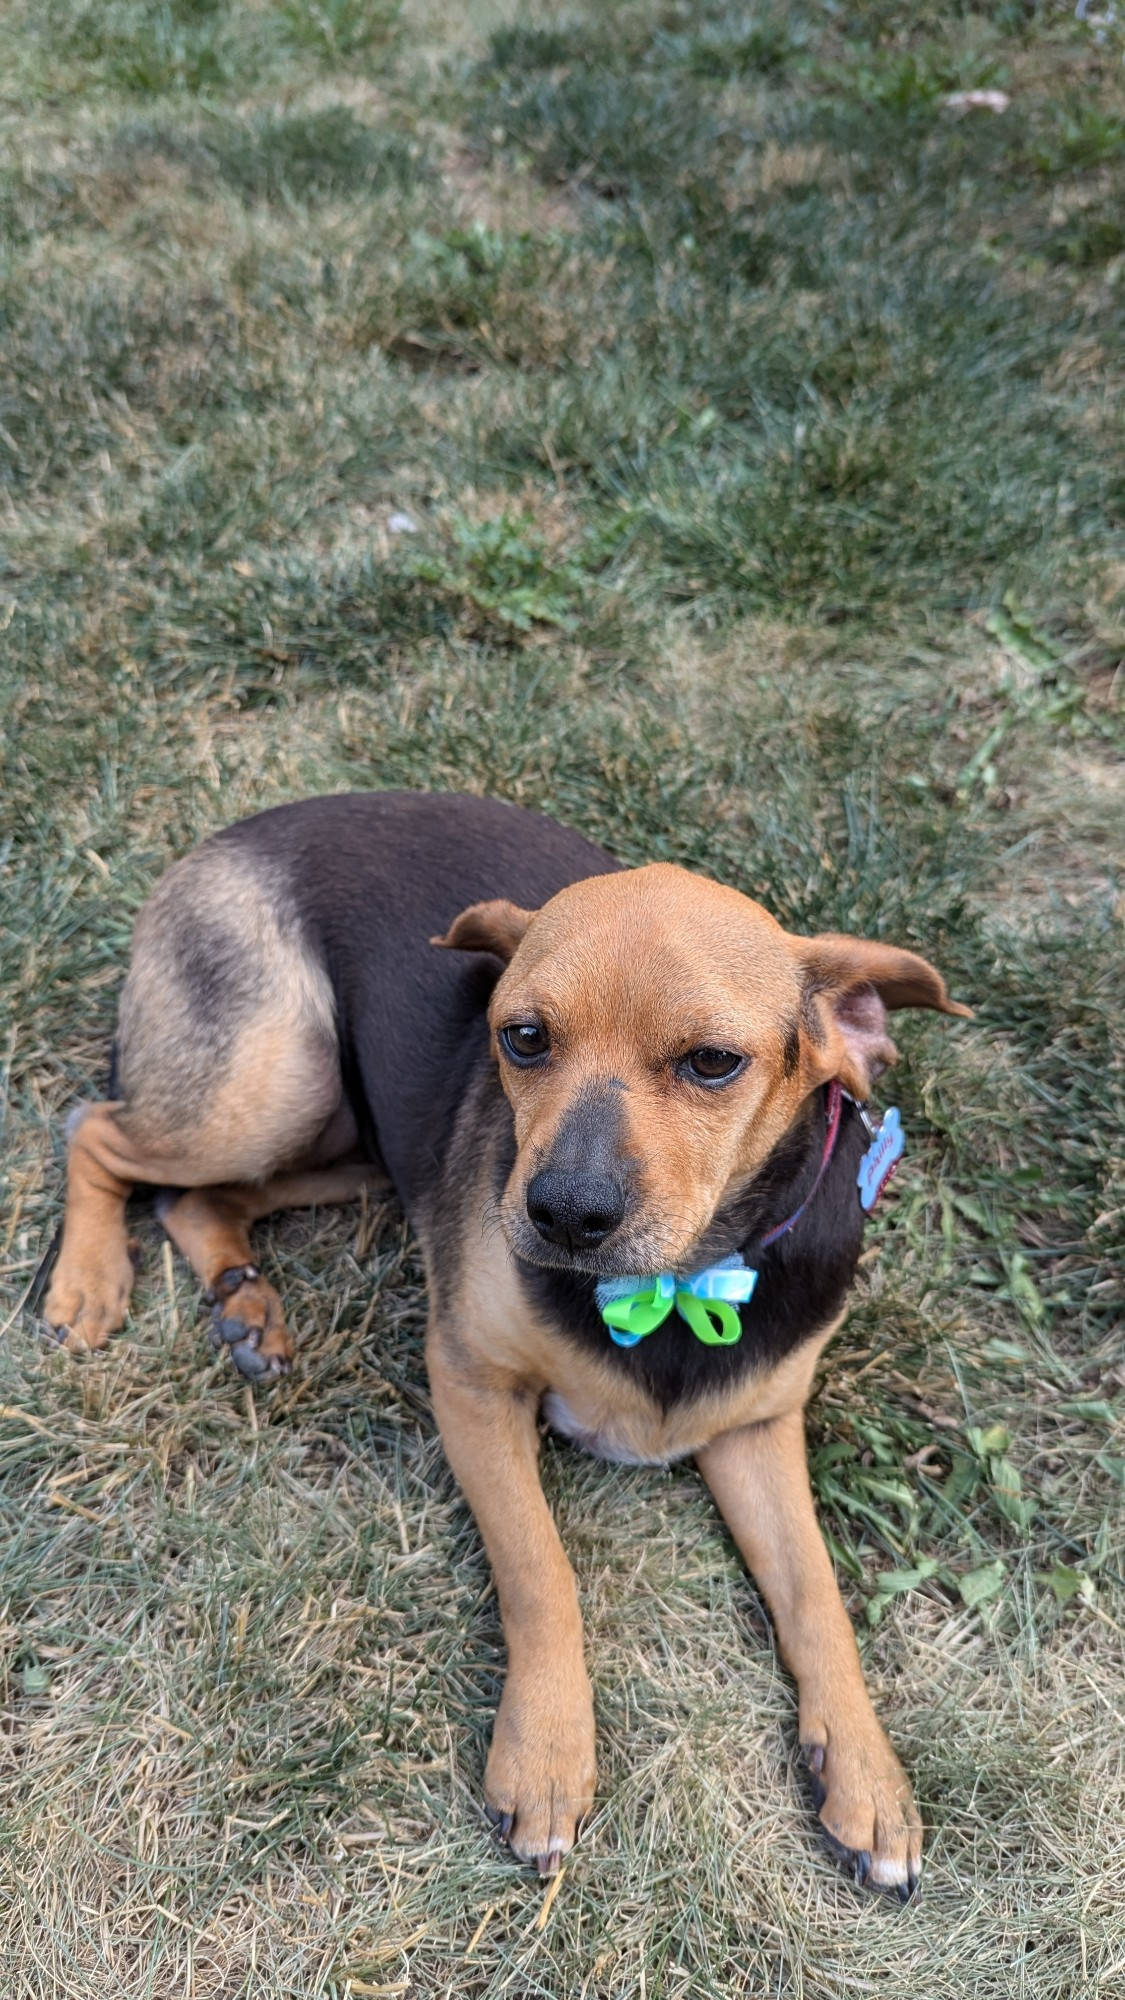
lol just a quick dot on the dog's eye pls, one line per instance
(525, 1041)
(713, 1065)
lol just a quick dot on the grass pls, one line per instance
(758, 421)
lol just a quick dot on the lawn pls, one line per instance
(687, 420)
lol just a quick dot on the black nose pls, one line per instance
(575, 1210)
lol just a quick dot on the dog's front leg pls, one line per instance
(759, 1477)
(540, 1775)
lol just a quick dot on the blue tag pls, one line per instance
(881, 1159)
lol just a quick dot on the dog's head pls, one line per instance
(656, 1035)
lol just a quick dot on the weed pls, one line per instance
(504, 569)
(1081, 138)
(339, 30)
(150, 47)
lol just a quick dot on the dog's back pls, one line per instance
(300, 939)
(288, 1033)
(369, 879)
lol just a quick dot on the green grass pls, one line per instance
(759, 418)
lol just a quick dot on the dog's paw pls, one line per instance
(246, 1319)
(865, 1803)
(88, 1296)
(539, 1783)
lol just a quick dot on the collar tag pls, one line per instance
(888, 1144)
(708, 1301)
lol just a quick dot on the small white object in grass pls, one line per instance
(402, 524)
(977, 100)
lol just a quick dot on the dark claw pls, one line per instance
(502, 1821)
(862, 1867)
(814, 1761)
(549, 1863)
(47, 1264)
(904, 1891)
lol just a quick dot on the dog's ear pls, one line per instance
(496, 927)
(849, 983)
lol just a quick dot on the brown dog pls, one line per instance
(640, 1072)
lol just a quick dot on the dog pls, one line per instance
(623, 1111)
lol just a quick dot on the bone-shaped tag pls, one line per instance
(880, 1160)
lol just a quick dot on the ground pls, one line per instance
(691, 420)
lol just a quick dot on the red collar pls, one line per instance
(833, 1105)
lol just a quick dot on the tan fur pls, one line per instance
(540, 1773)
(491, 1360)
(504, 1345)
(92, 1280)
(759, 1477)
(497, 927)
(218, 1089)
(628, 972)
(93, 1277)
(211, 1228)
(269, 1004)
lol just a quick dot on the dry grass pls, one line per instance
(249, 1678)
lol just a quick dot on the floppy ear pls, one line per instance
(496, 927)
(849, 984)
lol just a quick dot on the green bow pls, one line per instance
(631, 1315)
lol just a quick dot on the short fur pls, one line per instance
(319, 999)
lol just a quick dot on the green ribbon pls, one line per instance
(713, 1321)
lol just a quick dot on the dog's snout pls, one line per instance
(576, 1211)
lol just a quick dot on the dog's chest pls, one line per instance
(519, 1334)
(603, 1417)
(629, 1443)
